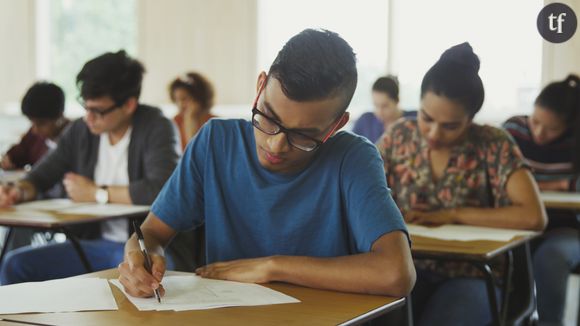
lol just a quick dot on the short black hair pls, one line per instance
(455, 76)
(388, 85)
(43, 100)
(112, 74)
(563, 98)
(316, 65)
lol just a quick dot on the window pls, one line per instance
(502, 33)
(71, 32)
(362, 24)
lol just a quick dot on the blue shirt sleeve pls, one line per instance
(180, 204)
(370, 208)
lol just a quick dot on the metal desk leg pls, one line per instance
(409, 310)
(490, 283)
(5, 245)
(507, 284)
(76, 244)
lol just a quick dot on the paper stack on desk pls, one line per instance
(466, 232)
(192, 292)
(64, 295)
(67, 206)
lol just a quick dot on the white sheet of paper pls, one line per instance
(63, 295)
(566, 197)
(466, 232)
(48, 205)
(104, 209)
(191, 292)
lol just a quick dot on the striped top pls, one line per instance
(548, 162)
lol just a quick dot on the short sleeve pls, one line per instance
(370, 209)
(384, 145)
(503, 157)
(180, 204)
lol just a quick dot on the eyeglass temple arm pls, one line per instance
(334, 128)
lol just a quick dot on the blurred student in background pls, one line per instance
(43, 105)
(550, 141)
(386, 102)
(194, 96)
(121, 151)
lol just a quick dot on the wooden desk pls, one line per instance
(561, 200)
(317, 307)
(480, 255)
(53, 220)
(481, 250)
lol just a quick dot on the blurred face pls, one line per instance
(315, 119)
(46, 128)
(386, 108)
(102, 115)
(546, 126)
(184, 101)
(442, 122)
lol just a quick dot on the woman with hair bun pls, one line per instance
(194, 96)
(550, 141)
(445, 169)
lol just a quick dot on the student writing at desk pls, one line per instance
(120, 152)
(43, 104)
(550, 141)
(443, 168)
(285, 197)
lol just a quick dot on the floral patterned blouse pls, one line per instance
(476, 174)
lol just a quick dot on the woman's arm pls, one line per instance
(526, 211)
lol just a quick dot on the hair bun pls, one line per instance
(461, 54)
(572, 80)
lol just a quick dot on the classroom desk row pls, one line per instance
(317, 307)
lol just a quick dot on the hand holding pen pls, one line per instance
(147, 259)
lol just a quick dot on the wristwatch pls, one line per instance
(102, 195)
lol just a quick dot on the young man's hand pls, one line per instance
(135, 278)
(9, 195)
(254, 270)
(79, 188)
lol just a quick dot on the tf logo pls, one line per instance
(557, 23)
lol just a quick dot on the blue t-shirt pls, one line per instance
(338, 205)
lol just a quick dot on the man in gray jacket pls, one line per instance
(120, 152)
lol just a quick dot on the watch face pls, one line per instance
(102, 196)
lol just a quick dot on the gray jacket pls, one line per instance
(152, 158)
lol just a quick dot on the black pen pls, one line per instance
(148, 263)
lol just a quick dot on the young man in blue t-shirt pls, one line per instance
(285, 197)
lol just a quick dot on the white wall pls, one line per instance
(216, 38)
(17, 44)
(559, 60)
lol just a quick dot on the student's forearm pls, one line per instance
(119, 195)
(154, 246)
(512, 217)
(357, 273)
